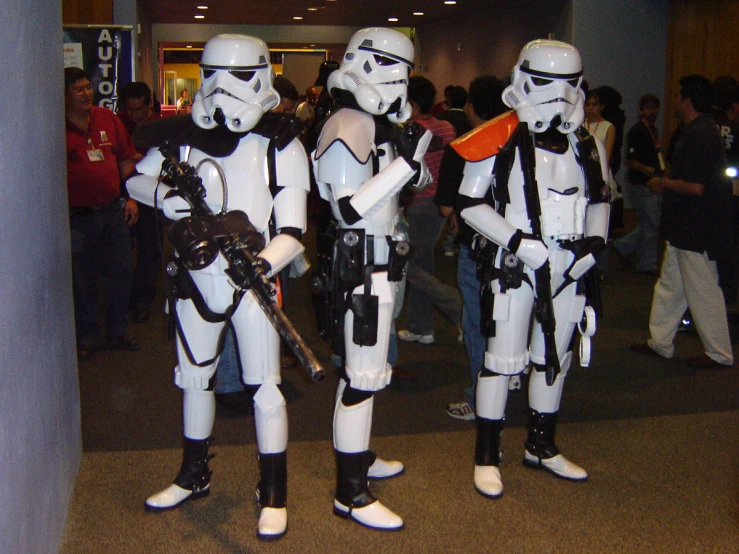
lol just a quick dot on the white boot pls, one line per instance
(172, 497)
(272, 523)
(375, 516)
(488, 482)
(193, 480)
(384, 469)
(557, 465)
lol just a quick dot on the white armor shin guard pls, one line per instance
(542, 397)
(270, 418)
(199, 412)
(491, 396)
(353, 426)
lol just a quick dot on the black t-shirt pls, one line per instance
(641, 147)
(729, 131)
(702, 223)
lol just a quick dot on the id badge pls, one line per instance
(95, 155)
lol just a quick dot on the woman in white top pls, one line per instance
(596, 125)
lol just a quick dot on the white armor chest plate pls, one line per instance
(245, 171)
(561, 195)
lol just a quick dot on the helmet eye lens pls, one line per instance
(384, 60)
(574, 82)
(245, 76)
(208, 73)
(539, 82)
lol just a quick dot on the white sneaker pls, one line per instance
(461, 410)
(407, 336)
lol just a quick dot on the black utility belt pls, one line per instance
(116, 204)
(355, 252)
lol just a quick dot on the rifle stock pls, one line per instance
(544, 308)
(243, 267)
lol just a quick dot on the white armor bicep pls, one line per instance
(290, 208)
(596, 220)
(477, 178)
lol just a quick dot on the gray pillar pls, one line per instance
(39, 396)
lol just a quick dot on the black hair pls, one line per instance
(285, 88)
(698, 88)
(648, 99)
(422, 92)
(458, 97)
(136, 89)
(594, 93)
(72, 75)
(485, 95)
(725, 92)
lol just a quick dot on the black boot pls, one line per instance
(354, 500)
(272, 487)
(352, 489)
(541, 452)
(195, 474)
(272, 496)
(540, 441)
(487, 457)
(193, 480)
(487, 448)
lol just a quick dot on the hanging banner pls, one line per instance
(105, 53)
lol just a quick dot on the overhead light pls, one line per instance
(393, 19)
(297, 17)
(312, 9)
(202, 7)
(417, 13)
(199, 17)
(188, 46)
(450, 2)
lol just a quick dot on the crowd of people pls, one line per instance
(520, 172)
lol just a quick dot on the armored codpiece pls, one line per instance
(246, 270)
(544, 308)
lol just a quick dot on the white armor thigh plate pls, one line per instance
(258, 343)
(568, 309)
(507, 352)
(366, 366)
(202, 340)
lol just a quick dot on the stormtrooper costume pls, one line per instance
(570, 171)
(243, 166)
(360, 166)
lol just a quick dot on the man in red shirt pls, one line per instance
(135, 99)
(100, 156)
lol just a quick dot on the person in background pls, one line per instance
(100, 156)
(443, 105)
(288, 95)
(425, 224)
(183, 103)
(484, 104)
(135, 98)
(602, 130)
(644, 159)
(696, 225)
(456, 114)
(306, 111)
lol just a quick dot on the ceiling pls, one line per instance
(354, 13)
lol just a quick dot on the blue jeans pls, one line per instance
(474, 342)
(425, 290)
(644, 239)
(101, 255)
(228, 376)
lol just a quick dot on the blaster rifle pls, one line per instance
(543, 307)
(243, 267)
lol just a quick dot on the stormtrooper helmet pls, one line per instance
(236, 83)
(375, 70)
(545, 87)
